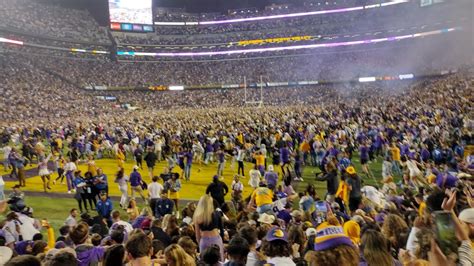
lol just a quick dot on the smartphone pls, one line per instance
(445, 232)
(321, 206)
(321, 213)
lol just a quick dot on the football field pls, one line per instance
(56, 204)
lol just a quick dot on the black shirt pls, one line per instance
(218, 190)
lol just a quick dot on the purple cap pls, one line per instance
(330, 236)
(276, 233)
(60, 245)
(380, 218)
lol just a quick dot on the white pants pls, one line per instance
(124, 197)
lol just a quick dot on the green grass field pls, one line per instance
(56, 209)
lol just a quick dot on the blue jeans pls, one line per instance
(208, 158)
(187, 171)
(220, 168)
(264, 208)
(396, 167)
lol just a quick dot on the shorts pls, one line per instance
(364, 161)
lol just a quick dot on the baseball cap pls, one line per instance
(350, 170)
(135, 167)
(310, 232)
(467, 216)
(276, 233)
(330, 236)
(270, 167)
(296, 213)
(266, 218)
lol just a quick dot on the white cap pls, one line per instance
(467, 216)
(5, 255)
(135, 167)
(310, 232)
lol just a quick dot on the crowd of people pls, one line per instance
(333, 64)
(50, 19)
(418, 211)
(322, 21)
(423, 134)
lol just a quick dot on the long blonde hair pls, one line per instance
(178, 256)
(204, 210)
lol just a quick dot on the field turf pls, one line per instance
(55, 206)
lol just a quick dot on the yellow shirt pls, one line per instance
(59, 141)
(421, 209)
(240, 138)
(304, 147)
(343, 192)
(263, 196)
(395, 153)
(259, 159)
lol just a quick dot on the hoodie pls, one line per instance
(88, 255)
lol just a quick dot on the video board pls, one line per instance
(131, 15)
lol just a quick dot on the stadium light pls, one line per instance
(367, 79)
(176, 88)
(284, 48)
(406, 76)
(11, 41)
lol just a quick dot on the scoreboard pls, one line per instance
(131, 15)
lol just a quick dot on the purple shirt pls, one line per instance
(364, 152)
(284, 155)
(89, 255)
(271, 178)
(135, 179)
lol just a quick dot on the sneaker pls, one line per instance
(301, 179)
(54, 182)
(69, 192)
(74, 190)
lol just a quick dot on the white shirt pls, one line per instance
(252, 259)
(154, 190)
(237, 186)
(6, 152)
(254, 178)
(281, 261)
(27, 229)
(70, 166)
(70, 221)
(374, 195)
(240, 155)
(386, 169)
(128, 227)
